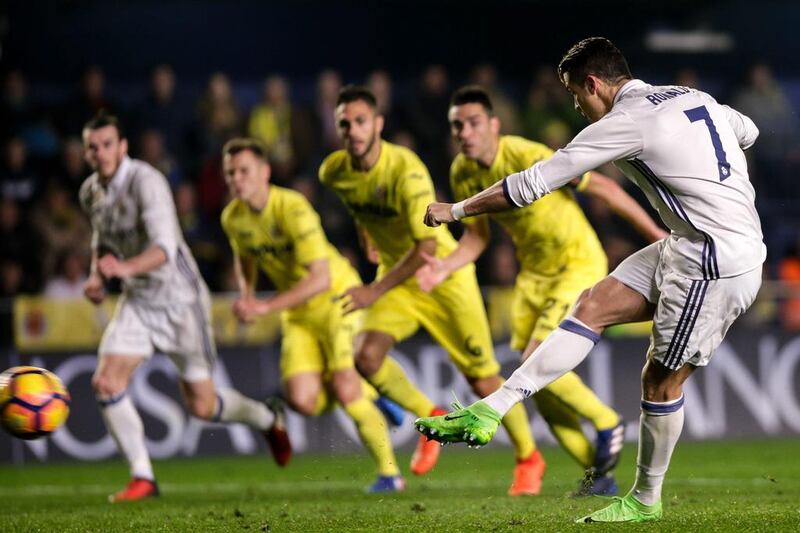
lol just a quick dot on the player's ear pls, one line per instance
(494, 124)
(591, 84)
(267, 171)
(379, 121)
(123, 146)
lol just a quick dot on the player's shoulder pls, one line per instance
(285, 198)
(514, 146)
(144, 176)
(232, 212)
(87, 191)
(332, 166)
(639, 97)
(402, 163)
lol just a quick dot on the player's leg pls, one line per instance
(371, 427)
(125, 345)
(609, 302)
(391, 319)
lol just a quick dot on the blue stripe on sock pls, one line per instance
(105, 402)
(662, 408)
(583, 331)
(220, 406)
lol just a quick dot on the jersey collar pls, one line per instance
(633, 84)
(120, 177)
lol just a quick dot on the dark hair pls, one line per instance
(240, 144)
(102, 119)
(354, 93)
(597, 56)
(472, 94)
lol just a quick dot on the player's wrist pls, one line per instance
(457, 210)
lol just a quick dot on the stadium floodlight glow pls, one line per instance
(691, 42)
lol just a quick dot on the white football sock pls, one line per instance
(660, 428)
(561, 351)
(233, 406)
(125, 425)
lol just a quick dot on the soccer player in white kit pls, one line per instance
(165, 304)
(685, 151)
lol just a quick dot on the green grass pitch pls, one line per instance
(712, 486)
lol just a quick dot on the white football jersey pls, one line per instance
(136, 211)
(685, 151)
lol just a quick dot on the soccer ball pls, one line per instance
(33, 402)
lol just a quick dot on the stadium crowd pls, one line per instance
(44, 236)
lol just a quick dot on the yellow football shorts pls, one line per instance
(453, 314)
(540, 303)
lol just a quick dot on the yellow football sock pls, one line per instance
(391, 381)
(374, 434)
(518, 426)
(566, 427)
(368, 390)
(573, 392)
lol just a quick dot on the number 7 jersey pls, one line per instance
(685, 151)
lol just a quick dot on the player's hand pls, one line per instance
(94, 289)
(438, 213)
(111, 267)
(432, 273)
(356, 298)
(248, 309)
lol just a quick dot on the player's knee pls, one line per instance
(368, 360)
(106, 386)
(305, 404)
(204, 408)
(588, 307)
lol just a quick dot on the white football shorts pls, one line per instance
(692, 315)
(181, 331)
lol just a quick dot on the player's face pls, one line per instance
(587, 98)
(104, 150)
(473, 130)
(245, 174)
(358, 126)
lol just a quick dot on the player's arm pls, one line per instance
(616, 136)
(623, 205)
(367, 246)
(471, 245)
(744, 128)
(94, 288)
(365, 295)
(149, 260)
(318, 280)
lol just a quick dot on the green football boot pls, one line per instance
(475, 425)
(626, 509)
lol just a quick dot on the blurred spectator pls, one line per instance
(72, 169)
(789, 274)
(20, 116)
(19, 250)
(271, 122)
(538, 113)
(153, 150)
(61, 227)
(163, 111)
(764, 101)
(558, 99)
(17, 179)
(219, 116)
(202, 236)
(381, 85)
(427, 121)
(70, 276)
(505, 109)
(90, 98)
(556, 134)
(329, 82)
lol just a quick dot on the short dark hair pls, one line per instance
(241, 144)
(472, 94)
(102, 119)
(355, 93)
(597, 56)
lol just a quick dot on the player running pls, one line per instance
(276, 229)
(559, 255)
(685, 151)
(164, 305)
(386, 188)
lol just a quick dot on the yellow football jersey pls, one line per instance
(388, 201)
(552, 234)
(284, 237)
